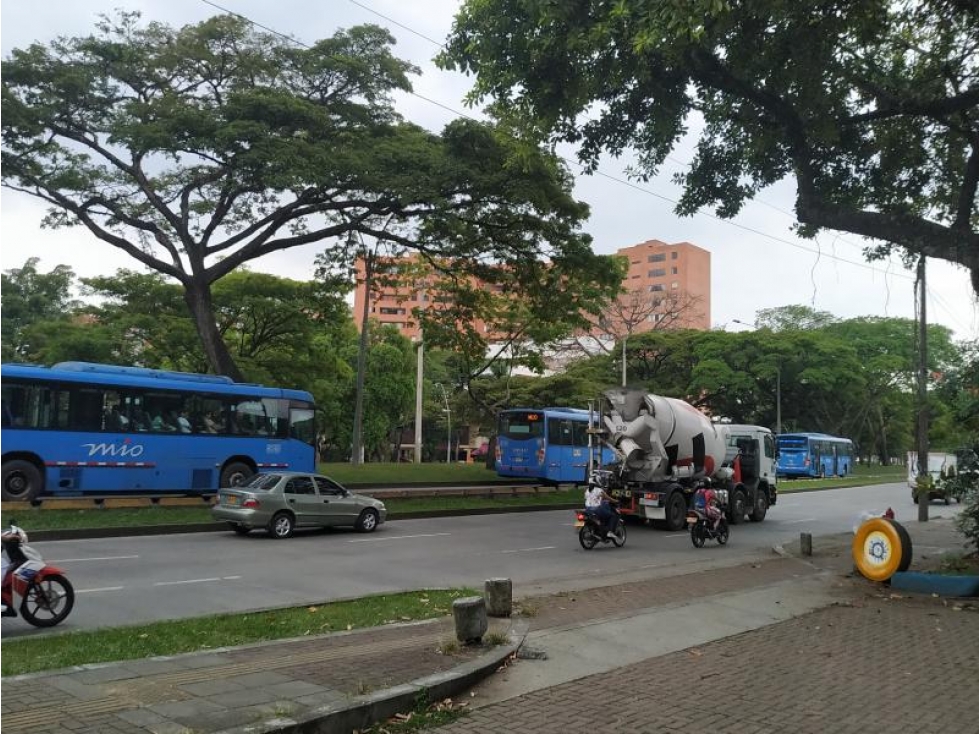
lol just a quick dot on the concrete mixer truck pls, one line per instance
(664, 446)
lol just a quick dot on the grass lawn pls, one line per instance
(31, 654)
(862, 475)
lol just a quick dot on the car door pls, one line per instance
(340, 506)
(301, 497)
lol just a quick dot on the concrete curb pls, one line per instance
(362, 712)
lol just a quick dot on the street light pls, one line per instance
(778, 386)
(448, 423)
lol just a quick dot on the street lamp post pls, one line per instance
(448, 423)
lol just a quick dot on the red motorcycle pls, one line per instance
(46, 596)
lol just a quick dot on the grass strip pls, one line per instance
(173, 637)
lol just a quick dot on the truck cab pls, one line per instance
(752, 488)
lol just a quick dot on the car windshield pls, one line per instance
(263, 481)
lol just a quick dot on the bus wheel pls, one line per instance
(21, 480)
(236, 474)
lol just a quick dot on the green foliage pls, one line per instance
(30, 297)
(870, 105)
(965, 486)
(196, 150)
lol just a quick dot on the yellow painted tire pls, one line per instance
(881, 547)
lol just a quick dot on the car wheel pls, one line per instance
(367, 522)
(281, 525)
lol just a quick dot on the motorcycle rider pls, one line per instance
(599, 501)
(12, 557)
(706, 500)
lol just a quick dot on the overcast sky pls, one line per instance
(756, 260)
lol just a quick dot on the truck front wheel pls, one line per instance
(739, 506)
(676, 512)
(760, 507)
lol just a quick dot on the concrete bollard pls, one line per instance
(470, 619)
(498, 594)
(805, 543)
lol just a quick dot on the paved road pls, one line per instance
(128, 580)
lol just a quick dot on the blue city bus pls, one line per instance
(813, 455)
(546, 444)
(79, 427)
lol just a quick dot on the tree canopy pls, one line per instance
(872, 106)
(196, 150)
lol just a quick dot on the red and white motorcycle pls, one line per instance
(46, 596)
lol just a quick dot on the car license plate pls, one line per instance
(579, 524)
(231, 499)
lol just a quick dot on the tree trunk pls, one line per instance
(197, 296)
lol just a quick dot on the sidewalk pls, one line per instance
(785, 643)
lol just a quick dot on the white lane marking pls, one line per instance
(529, 550)
(196, 581)
(398, 537)
(102, 558)
(678, 535)
(96, 591)
(796, 522)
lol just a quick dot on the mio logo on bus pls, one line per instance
(127, 448)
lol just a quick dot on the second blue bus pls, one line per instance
(814, 455)
(548, 445)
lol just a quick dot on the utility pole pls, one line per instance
(357, 450)
(623, 360)
(419, 384)
(778, 399)
(922, 442)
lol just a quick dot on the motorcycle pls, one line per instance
(702, 530)
(46, 596)
(590, 531)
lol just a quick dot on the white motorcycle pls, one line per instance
(45, 596)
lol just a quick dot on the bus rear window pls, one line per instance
(527, 424)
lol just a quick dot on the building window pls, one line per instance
(673, 255)
(655, 288)
(674, 285)
(657, 257)
(657, 273)
(387, 311)
(674, 270)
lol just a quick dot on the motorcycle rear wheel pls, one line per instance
(48, 601)
(698, 535)
(618, 537)
(587, 537)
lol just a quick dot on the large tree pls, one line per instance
(871, 105)
(30, 297)
(198, 149)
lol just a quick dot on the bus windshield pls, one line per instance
(522, 424)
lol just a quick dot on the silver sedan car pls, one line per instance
(282, 501)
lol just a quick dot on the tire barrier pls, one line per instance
(881, 548)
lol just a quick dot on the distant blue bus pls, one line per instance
(546, 444)
(813, 455)
(80, 427)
